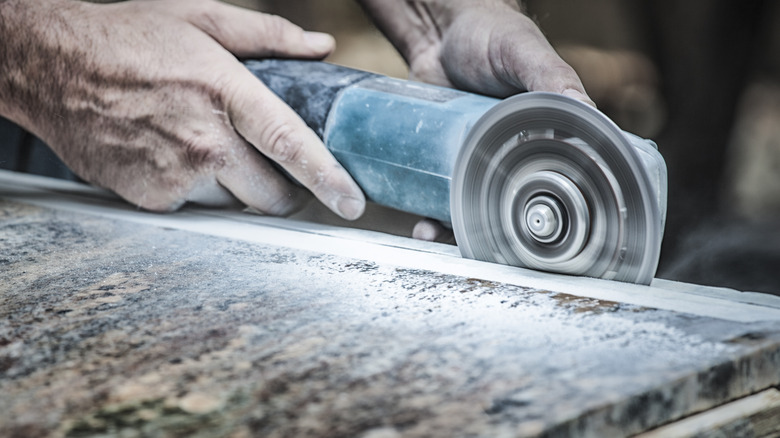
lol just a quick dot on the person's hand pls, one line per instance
(484, 46)
(495, 51)
(147, 98)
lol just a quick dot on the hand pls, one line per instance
(511, 55)
(146, 98)
(484, 46)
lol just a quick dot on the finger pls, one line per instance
(534, 64)
(518, 55)
(539, 68)
(248, 33)
(432, 231)
(280, 134)
(210, 193)
(255, 182)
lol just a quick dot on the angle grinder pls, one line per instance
(538, 180)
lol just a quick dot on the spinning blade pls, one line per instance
(549, 183)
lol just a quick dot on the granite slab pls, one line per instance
(112, 327)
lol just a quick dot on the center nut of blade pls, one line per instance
(549, 215)
(544, 219)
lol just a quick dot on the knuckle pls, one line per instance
(199, 153)
(283, 145)
(204, 14)
(277, 29)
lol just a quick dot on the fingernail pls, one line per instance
(350, 208)
(575, 94)
(321, 42)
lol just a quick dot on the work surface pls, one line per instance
(204, 323)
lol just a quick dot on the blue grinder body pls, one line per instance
(398, 139)
(537, 180)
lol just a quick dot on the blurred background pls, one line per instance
(700, 77)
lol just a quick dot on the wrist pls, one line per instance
(31, 35)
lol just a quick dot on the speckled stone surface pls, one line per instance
(112, 328)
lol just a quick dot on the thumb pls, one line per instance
(248, 33)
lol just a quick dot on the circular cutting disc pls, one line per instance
(547, 182)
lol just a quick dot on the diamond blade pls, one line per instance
(549, 183)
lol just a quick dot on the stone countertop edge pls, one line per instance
(383, 248)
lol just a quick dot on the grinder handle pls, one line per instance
(398, 139)
(308, 87)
